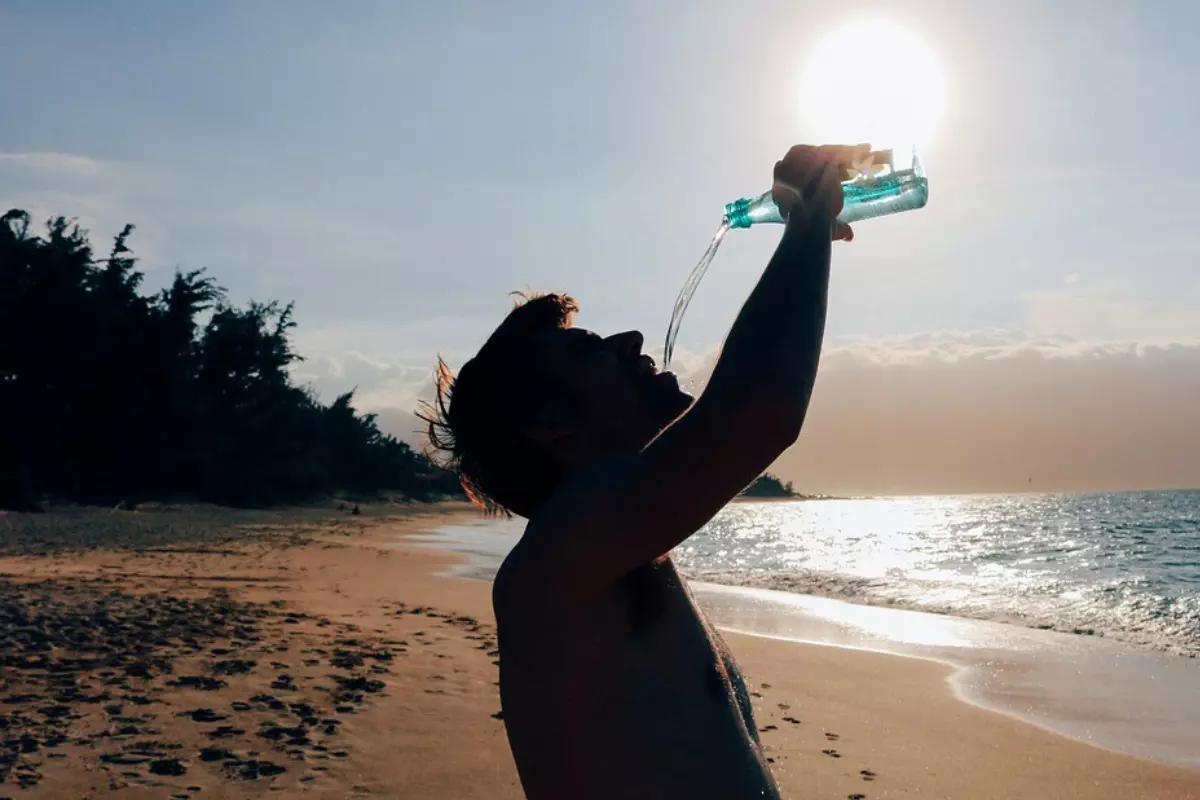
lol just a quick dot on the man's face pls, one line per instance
(622, 400)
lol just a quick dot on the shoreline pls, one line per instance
(870, 592)
(1093, 692)
(825, 586)
(325, 604)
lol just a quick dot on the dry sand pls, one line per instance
(312, 655)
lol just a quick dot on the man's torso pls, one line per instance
(634, 695)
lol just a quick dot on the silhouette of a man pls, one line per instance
(613, 682)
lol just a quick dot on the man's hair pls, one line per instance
(476, 423)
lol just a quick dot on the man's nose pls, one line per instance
(628, 343)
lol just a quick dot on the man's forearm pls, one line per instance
(774, 346)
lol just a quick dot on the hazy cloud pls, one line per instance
(975, 413)
(946, 411)
(101, 195)
(59, 163)
(1153, 310)
(378, 385)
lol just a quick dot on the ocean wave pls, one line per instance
(1136, 622)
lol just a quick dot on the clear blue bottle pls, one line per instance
(886, 182)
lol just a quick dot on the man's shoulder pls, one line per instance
(537, 569)
(528, 554)
(529, 574)
(517, 575)
(522, 591)
(505, 576)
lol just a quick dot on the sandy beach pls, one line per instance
(319, 654)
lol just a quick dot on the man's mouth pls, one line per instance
(646, 366)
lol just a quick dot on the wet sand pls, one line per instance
(319, 655)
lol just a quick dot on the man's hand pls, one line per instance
(808, 184)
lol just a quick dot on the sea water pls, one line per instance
(1079, 612)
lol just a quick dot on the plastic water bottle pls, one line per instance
(885, 182)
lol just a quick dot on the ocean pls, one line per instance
(1076, 612)
(1119, 565)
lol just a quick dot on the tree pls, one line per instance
(767, 485)
(107, 395)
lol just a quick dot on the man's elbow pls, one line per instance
(783, 428)
(774, 424)
(764, 421)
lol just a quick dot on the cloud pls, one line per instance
(259, 238)
(1115, 310)
(101, 195)
(945, 348)
(1035, 414)
(946, 411)
(387, 381)
(65, 164)
(988, 410)
(376, 384)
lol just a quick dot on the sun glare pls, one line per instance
(872, 80)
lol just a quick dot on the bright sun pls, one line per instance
(872, 80)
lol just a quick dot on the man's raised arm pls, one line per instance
(629, 511)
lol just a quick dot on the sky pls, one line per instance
(397, 168)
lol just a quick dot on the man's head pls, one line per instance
(543, 400)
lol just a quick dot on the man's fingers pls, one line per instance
(846, 155)
(807, 154)
(847, 158)
(810, 178)
(802, 161)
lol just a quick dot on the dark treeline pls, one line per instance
(109, 396)
(767, 485)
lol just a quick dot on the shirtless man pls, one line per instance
(612, 681)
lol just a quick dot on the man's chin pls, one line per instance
(671, 400)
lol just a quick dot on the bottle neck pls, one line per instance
(752, 211)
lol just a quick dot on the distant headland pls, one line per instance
(769, 487)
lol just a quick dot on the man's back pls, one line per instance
(632, 696)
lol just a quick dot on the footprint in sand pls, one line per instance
(203, 715)
(792, 720)
(216, 754)
(167, 766)
(784, 707)
(831, 753)
(766, 728)
(284, 682)
(225, 732)
(833, 737)
(867, 775)
(856, 797)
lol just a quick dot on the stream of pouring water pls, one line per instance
(689, 289)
